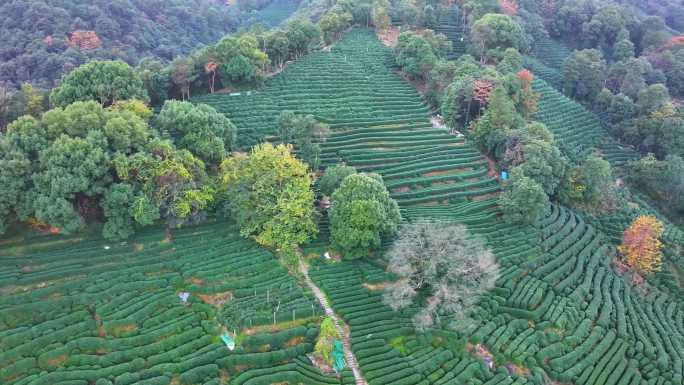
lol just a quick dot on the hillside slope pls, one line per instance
(559, 309)
(559, 297)
(43, 39)
(81, 312)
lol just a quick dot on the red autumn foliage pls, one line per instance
(210, 69)
(85, 40)
(525, 77)
(508, 7)
(481, 90)
(679, 39)
(674, 42)
(42, 227)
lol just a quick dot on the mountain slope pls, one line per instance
(43, 39)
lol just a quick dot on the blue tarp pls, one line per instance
(338, 356)
(228, 340)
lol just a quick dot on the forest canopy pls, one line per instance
(45, 39)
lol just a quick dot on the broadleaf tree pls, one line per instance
(442, 269)
(268, 192)
(362, 213)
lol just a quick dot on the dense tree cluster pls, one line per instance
(495, 108)
(662, 179)
(99, 155)
(491, 34)
(37, 34)
(629, 68)
(626, 66)
(85, 162)
(418, 54)
(236, 61)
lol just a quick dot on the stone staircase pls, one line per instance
(348, 353)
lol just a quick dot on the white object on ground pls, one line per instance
(184, 296)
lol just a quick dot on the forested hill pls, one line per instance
(44, 39)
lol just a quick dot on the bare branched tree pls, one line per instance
(6, 95)
(445, 266)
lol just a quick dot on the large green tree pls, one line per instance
(523, 200)
(584, 73)
(240, 60)
(333, 177)
(532, 148)
(198, 128)
(362, 213)
(605, 28)
(305, 132)
(102, 81)
(500, 117)
(414, 54)
(492, 34)
(588, 182)
(268, 192)
(458, 103)
(543, 162)
(167, 183)
(663, 179)
(15, 169)
(70, 152)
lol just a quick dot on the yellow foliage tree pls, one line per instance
(641, 246)
(34, 100)
(269, 193)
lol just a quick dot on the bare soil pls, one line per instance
(389, 37)
(479, 198)
(216, 300)
(438, 172)
(377, 286)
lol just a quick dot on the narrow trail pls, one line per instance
(348, 353)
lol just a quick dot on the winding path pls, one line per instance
(348, 353)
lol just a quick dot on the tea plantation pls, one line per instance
(97, 313)
(92, 312)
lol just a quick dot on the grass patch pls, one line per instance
(399, 343)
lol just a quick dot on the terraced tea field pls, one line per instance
(451, 25)
(379, 122)
(85, 314)
(92, 312)
(275, 12)
(559, 310)
(552, 76)
(550, 52)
